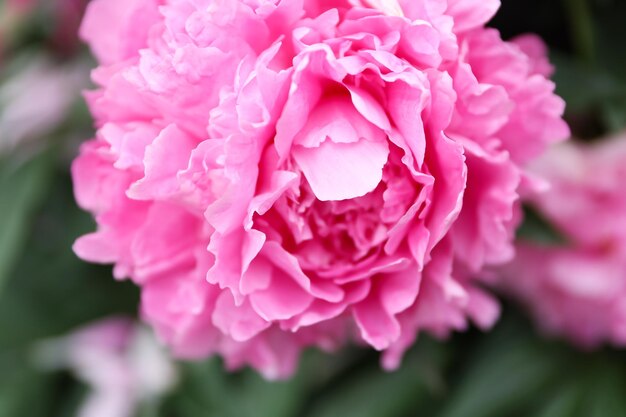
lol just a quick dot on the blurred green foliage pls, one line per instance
(45, 291)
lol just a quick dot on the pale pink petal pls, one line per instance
(340, 171)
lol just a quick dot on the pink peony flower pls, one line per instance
(282, 174)
(578, 289)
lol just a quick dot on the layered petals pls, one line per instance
(278, 174)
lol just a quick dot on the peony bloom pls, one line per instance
(284, 174)
(119, 361)
(578, 289)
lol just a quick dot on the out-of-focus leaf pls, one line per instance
(50, 293)
(507, 372)
(595, 82)
(51, 290)
(563, 403)
(514, 372)
(26, 391)
(149, 409)
(583, 86)
(614, 113)
(23, 391)
(207, 390)
(324, 386)
(605, 388)
(610, 32)
(23, 187)
(372, 392)
(582, 28)
(70, 396)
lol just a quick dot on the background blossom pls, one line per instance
(120, 362)
(577, 288)
(35, 100)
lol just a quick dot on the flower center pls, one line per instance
(328, 234)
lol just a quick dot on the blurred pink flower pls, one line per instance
(578, 289)
(279, 174)
(119, 361)
(37, 99)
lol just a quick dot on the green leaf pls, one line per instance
(23, 390)
(583, 86)
(582, 28)
(594, 83)
(372, 392)
(610, 34)
(207, 390)
(23, 187)
(51, 290)
(605, 387)
(507, 372)
(614, 114)
(563, 403)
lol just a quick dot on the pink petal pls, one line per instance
(340, 171)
